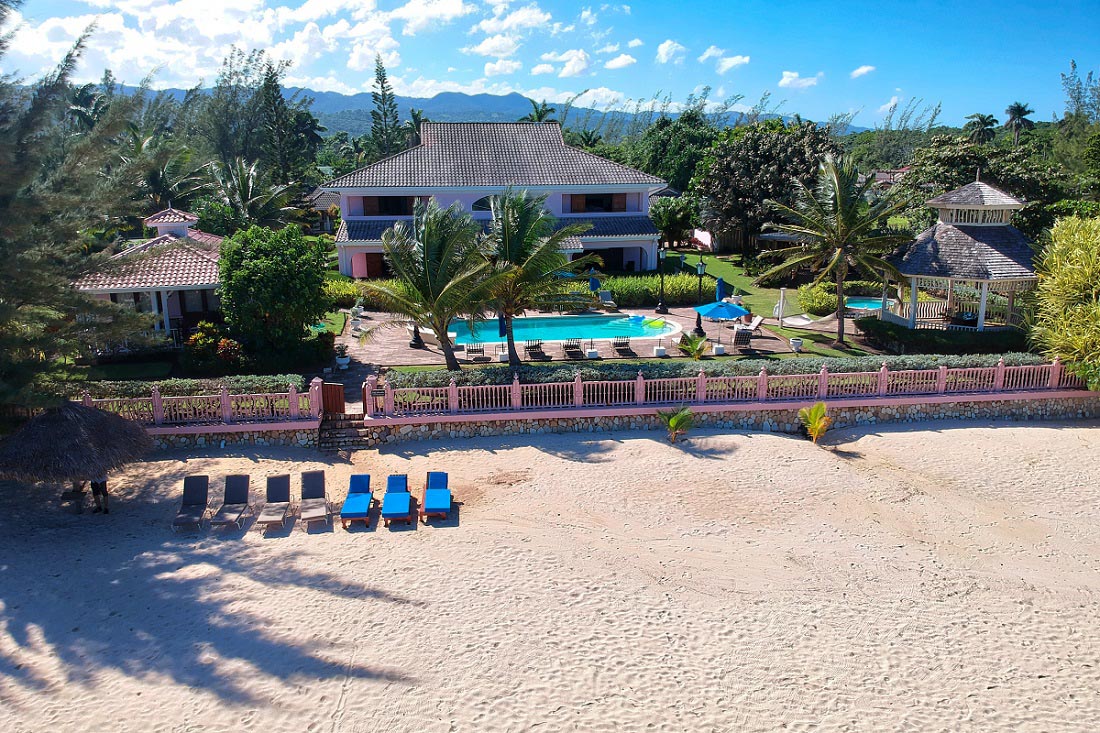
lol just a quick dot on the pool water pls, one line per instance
(560, 328)
(865, 304)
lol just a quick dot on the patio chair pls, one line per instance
(235, 502)
(741, 337)
(606, 301)
(359, 502)
(397, 501)
(754, 325)
(437, 497)
(533, 347)
(314, 506)
(475, 349)
(192, 511)
(277, 505)
(572, 349)
(620, 343)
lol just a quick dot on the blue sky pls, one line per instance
(818, 58)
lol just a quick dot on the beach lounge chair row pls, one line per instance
(314, 505)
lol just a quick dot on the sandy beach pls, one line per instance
(940, 577)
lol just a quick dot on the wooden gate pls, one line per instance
(332, 398)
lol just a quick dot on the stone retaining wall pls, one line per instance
(302, 438)
(782, 421)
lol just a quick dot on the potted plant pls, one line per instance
(342, 356)
(796, 345)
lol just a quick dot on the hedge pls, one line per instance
(342, 293)
(633, 291)
(239, 384)
(898, 339)
(614, 371)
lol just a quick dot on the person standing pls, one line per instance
(99, 495)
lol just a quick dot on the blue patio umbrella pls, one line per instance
(720, 290)
(720, 311)
(502, 326)
(683, 260)
(593, 284)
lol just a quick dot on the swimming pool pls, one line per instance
(861, 303)
(560, 328)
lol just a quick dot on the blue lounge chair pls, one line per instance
(437, 497)
(360, 500)
(397, 502)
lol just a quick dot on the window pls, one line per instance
(597, 203)
(395, 205)
(192, 301)
(482, 204)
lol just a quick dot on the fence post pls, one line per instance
(762, 385)
(368, 395)
(999, 376)
(639, 389)
(387, 400)
(941, 380)
(578, 391)
(883, 379)
(701, 386)
(823, 383)
(227, 406)
(292, 397)
(316, 405)
(158, 407)
(86, 398)
(452, 397)
(1055, 374)
(517, 393)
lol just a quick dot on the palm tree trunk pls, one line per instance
(513, 355)
(448, 352)
(840, 275)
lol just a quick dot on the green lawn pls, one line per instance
(122, 372)
(334, 323)
(335, 275)
(818, 343)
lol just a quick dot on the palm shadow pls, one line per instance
(132, 597)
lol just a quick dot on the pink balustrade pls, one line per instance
(913, 381)
(546, 396)
(488, 398)
(666, 391)
(191, 410)
(608, 394)
(732, 389)
(138, 409)
(853, 384)
(216, 409)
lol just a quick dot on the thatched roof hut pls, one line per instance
(71, 443)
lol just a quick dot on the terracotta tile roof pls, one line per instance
(370, 230)
(976, 194)
(162, 262)
(967, 252)
(495, 154)
(170, 216)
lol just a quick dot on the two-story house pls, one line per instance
(467, 162)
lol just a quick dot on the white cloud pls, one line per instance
(861, 71)
(364, 52)
(889, 105)
(670, 51)
(731, 62)
(792, 80)
(621, 61)
(320, 84)
(542, 69)
(500, 46)
(635, 42)
(529, 16)
(502, 66)
(314, 10)
(422, 14)
(713, 52)
(609, 48)
(306, 45)
(558, 28)
(588, 17)
(576, 61)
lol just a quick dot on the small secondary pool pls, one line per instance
(560, 328)
(857, 303)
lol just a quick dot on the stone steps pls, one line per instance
(342, 432)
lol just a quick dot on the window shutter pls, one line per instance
(618, 202)
(370, 206)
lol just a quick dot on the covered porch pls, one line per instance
(957, 304)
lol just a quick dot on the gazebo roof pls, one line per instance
(170, 216)
(167, 261)
(976, 195)
(967, 253)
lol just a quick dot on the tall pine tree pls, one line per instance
(386, 134)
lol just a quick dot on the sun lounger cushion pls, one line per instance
(357, 505)
(437, 501)
(397, 482)
(396, 504)
(359, 483)
(437, 480)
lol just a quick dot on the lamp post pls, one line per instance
(700, 270)
(661, 307)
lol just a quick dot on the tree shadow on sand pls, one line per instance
(125, 594)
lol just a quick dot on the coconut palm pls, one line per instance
(540, 112)
(247, 191)
(524, 247)
(980, 129)
(412, 126)
(1017, 121)
(441, 272)
(162, 172)
(836, 228)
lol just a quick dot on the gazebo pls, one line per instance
(972, 263)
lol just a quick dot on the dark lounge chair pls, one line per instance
(278, 501)
(314, 506)
(235, 503)
(192, 511)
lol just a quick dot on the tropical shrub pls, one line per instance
(682, 368)
(237, 384)
(210, 351)
(678, 421)
(694, 347)
(817, 299)
(341, 293)
(897, 339)
(634, 291)
(1067, 300)
(815, 419)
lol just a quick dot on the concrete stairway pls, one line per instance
(342, 432)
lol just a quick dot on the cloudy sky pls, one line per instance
(819, 58)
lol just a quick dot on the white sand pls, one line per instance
(932, 578)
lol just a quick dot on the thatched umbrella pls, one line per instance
(71, 443)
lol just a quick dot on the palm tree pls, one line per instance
(87, 106)
(412, 126)
(524, 248)
(980, 128)
(162, 173)
(1017, 120)
(837, 229)
(540, 112)
(248, 192)
(441, 271)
